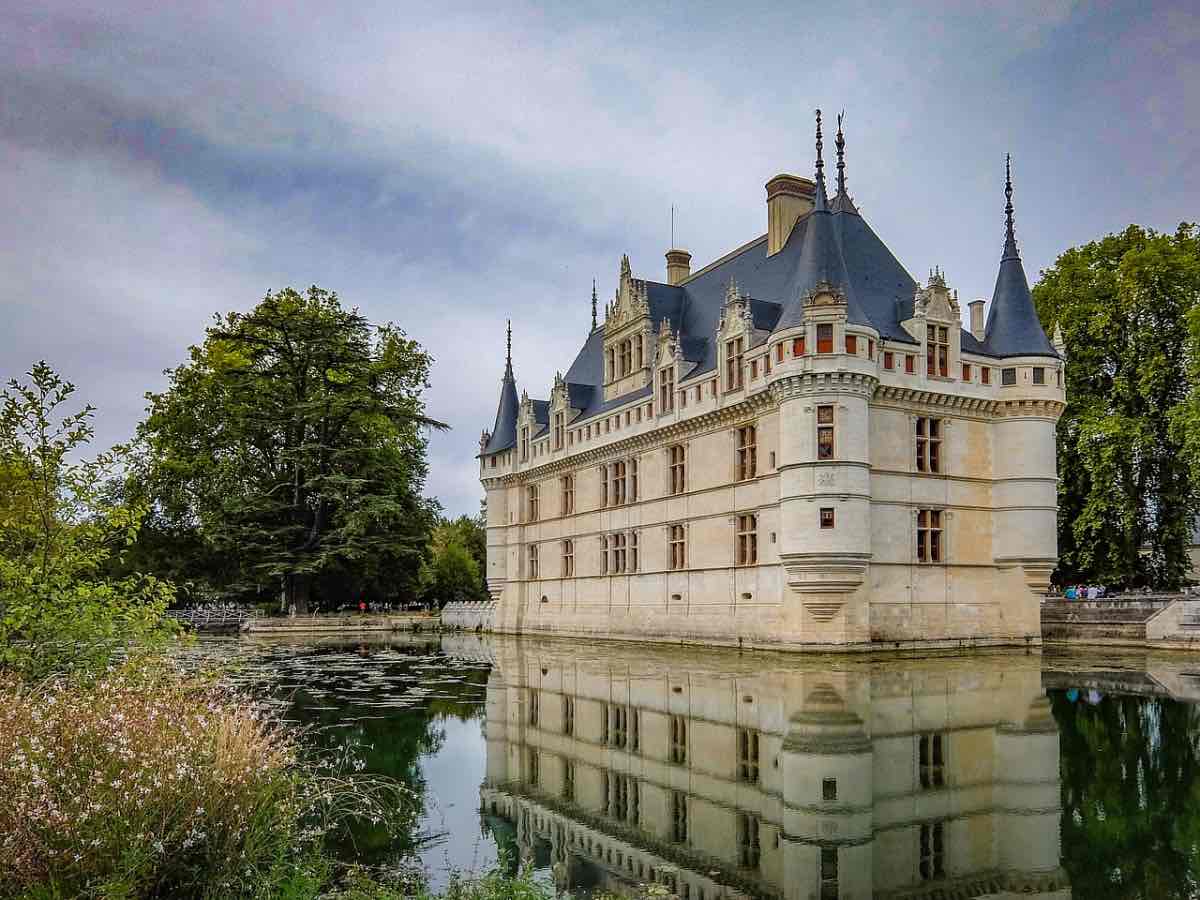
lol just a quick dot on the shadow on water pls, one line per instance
(717, 774)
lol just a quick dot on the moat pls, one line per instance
(716, 774)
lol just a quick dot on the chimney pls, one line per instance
(788, 198)
(679, 266)
(976, 307)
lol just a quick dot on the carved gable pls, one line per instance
(736, 317)
(627, 336)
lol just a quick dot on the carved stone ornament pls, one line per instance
(630, 302)
(825, 294)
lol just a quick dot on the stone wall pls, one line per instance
(469, 615)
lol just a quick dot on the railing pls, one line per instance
(203, 618)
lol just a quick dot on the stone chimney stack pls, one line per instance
(788, 198)
(977, 327)
(679, 266)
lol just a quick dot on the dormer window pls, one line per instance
(525, 443)
(559, 430)
(734, 353)
(937, 351)
(825, 338)
(666, 389)
(626, 357)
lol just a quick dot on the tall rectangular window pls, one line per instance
(889, 360)
(749, 851)
(931, 760)
(603, 554)
(966, 372)
(533, 561)
(929, 444)
(567, 485)
(633, 551)
(747, 452)
(826, 518)
(534, 773)
(568, 783)
(1039, 375)
(985, 375)
(748, 755)
(525, 443)
(798, 346)
(779, 352)
(559, 430)
(637, 351)
(616, 554)
(870, 348)
(534, 708)
(616, 487)
(531, 496)
(678, 541)
(937, 351)
(678, 740)
(603, 486)
(1008, 376)
(618, 729)
(677, 466)
(734, 353)
(929, 535)
(568, 716)
(851, 345)
(825, 443)
(626, 357)
(666, 389)
(747, 539)
(829, 873)
(910, 364)
(933, 851)
(825, 338)
(679, 817)
(568, 558)
(633, 491)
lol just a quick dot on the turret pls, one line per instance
(499, 445)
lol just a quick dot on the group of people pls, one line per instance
(1084, 592)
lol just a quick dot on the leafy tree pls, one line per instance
(59, 608)
(1125, 305)
(293, 444)
(451, 572)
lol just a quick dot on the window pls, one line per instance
(870, 348)
(533, 561)
(677, 537)
(603, 486)
(966, 372)
(567, 486)
(568, 785)
(929, 535)
(749, 852)
(626, 357)
(679, 817)
(798, 346)
(635, 731)
(748, 756)
(678, 740)
(827, 517)
(985, 375)
(633, 480)
(753, 369)
(931, 760)
(534, 708)
(610, 365)
(1008, 376)
(666, 389)
(929, 444)
(616, 553)
(677, 466)
(531, 496)
(829, 790)
(618, 731)
(604, 724)
(534, 775)
(622, 799)
(637, 352)
(889, 360)
(1039, 375)
(851, 345)
(829, 873)
(825, 338)
(825, 432)
(683, 394)
(633, 551)
(937, 351)
(779, 352)
(568, 716)
(568, 558)
(525, 443)
(933, 852)
(747, 539)
(603, 555)
(747, 452)
(734, 351)
(910, 364)
(616, 487)
(559, 430)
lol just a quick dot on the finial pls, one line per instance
(593, 304)
(841, 155)
(1010, 238)
(819, 201)
(508, 362)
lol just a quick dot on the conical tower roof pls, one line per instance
(504, 432)
(1013, 328)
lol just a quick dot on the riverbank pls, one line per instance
(349, 623)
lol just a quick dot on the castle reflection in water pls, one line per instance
(719, 775)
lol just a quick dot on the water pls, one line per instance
(608, 766)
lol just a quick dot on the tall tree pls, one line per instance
(1124, 304)
(293, 442)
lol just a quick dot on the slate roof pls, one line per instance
(832, 243)
(504, 432)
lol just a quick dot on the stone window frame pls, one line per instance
(822, 342)
(566, 485)
(677, 546)
(928, 451)
(942, 530)
(734, 350)
(666, 389)
(677, 467)
(851, 341)
(568, 558)
(532, 502)
(985, 374)
(1039, 375)
(889, 360)
(937, 351)
(748, 842)
(749, 743)
(568, 716)
(827, 522)
(1008, 376)
(678, 740)
(532, 559)
(745, 552)
(745, 444)
(931, 758)
(932, 851)
(819, 427)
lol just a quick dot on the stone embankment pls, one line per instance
(342, 624)
(1129, 620)
(476, 615)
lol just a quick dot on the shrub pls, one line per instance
(142, 784)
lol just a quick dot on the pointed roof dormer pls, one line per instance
(821, 267)
(504, 432)
(1013, 328)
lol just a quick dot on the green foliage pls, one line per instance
(292, 444)
(1129, 441)
(452, 570)
(60, 609)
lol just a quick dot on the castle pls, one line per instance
(796, 446)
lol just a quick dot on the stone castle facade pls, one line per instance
(795, 446)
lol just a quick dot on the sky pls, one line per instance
(447, 167)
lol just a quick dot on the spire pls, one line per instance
(819, 202)
(1013, 328)
(1010, 238)
(841, 155)
(508, 352)
(594, 301)
(504, 433)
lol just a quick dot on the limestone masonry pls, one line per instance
(796, 446)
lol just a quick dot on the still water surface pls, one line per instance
(759, 775)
